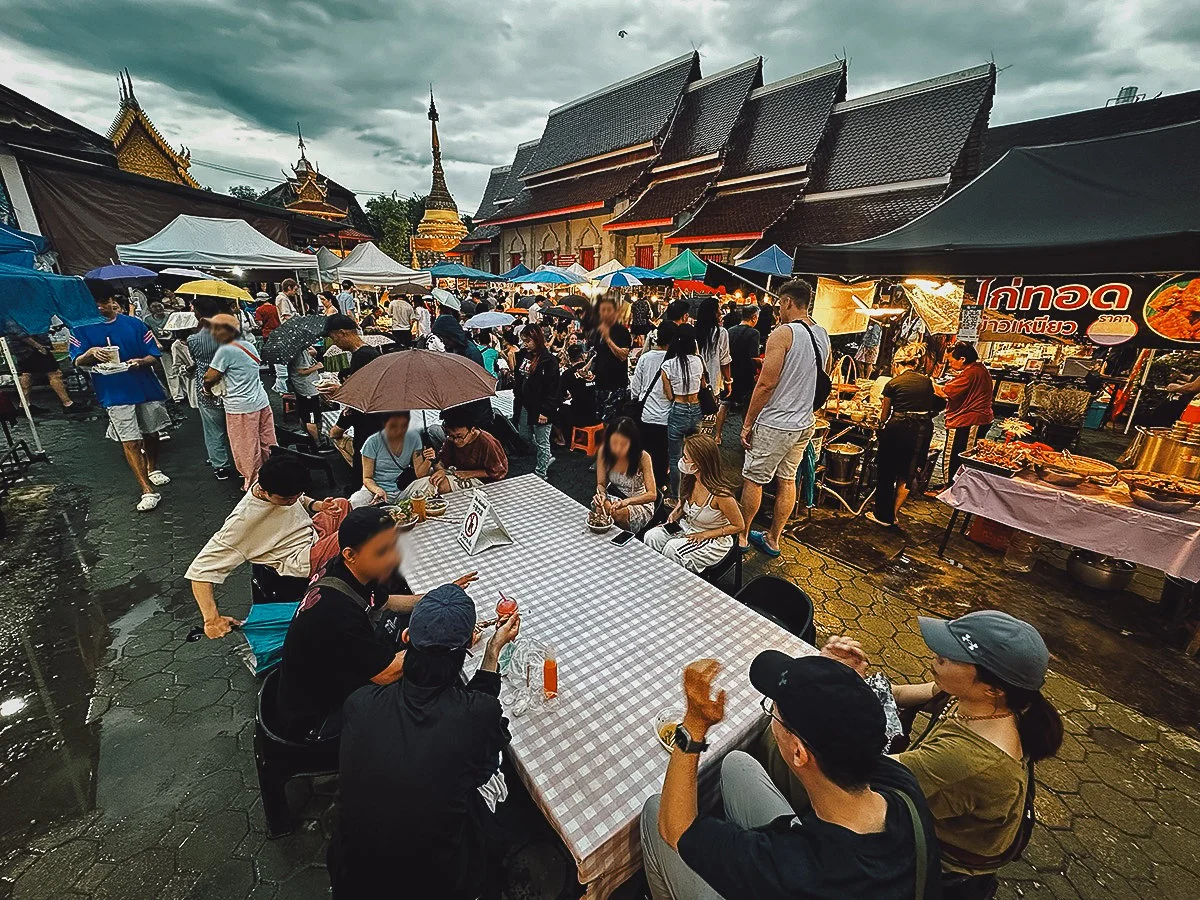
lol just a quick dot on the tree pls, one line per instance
(395, 220)
(244, 192)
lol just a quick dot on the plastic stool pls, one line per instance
(586, 438)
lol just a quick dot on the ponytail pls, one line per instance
(1038, 722)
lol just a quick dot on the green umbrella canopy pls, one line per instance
(686, 265)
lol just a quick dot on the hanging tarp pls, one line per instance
(367, 264)
(18, 248)
(30, 298)
(838, 307)
(458, 270)
(201, 241)
(516, 272)
(1138, 310)
(1129, 203)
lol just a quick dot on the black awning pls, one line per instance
(1124, 204)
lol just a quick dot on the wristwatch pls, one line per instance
(684, 741)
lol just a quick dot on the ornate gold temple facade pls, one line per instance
(440, 229)
(140, 147)
(310, 189)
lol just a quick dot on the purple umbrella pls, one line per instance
(121, 276)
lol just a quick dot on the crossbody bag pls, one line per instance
(634, 408)
(824, 382)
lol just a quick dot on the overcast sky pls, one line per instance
(230, 78)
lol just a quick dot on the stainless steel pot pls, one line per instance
(1155, 450)
(1101, 573)
(841, 461)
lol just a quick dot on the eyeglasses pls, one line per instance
(768, 706)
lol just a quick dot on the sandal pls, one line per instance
(148, 502)
(158, 478)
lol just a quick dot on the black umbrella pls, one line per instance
(524, 301)
(575, 301)
(558, 312)
(294, 335)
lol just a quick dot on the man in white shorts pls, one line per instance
(133, 397)
(780, 421)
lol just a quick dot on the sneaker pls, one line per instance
(222, 474)
(158, 478)
(758, 540)
(164, 435)
(148, 502)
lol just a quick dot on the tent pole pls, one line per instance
(746, 280)
(1141, 390)
(12, 367)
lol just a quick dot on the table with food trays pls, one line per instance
(623, 621)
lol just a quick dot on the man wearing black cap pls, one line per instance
(343, 332)
(866, 834)
(420, 764)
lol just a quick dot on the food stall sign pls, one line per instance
(481, 527)
(1139, 310)
(567, 260)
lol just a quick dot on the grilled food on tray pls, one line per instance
(1007, 456)
(1165, 486)
(1071, 464)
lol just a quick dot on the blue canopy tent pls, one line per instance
(457, 270)
(516, 272)
(756, 271)
(647, 276)
(771, 261)
(18, 248)
(29, 299)
(549, 276)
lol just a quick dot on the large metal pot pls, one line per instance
(841, 461)
(1155, 450)
(1101, 573)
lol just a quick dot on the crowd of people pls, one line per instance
(820, 809)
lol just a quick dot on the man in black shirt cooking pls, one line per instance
(867, 825)
(611, 342)
(342, 331)
(420, 765)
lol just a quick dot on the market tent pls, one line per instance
(367, 264)
(516, 272)
(18, 248)
(196, 240)
(648, 276)
(686, 265)
(771, 261)
(327, 260)
(31, 297)
(457, 270)
(600, 271)
(1115, 205)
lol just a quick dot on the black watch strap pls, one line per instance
(684, 741)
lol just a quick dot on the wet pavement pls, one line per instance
(125, 753)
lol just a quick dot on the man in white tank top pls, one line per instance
(779, 423)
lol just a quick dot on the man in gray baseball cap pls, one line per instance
(995, 640)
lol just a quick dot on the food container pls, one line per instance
(1058, 477)
(1100, 573)
(1157, 450)
(600, 529)
(841, 462)
(1157, 502)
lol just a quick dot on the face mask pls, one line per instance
(685, 467)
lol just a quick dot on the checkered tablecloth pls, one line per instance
(624, 621)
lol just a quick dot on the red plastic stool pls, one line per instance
(586, 438)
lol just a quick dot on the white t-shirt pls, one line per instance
(402, 314)
(257, 531)
(424, 323)
(656, 408)
(716, 356)
(244, 391)
(675, 372)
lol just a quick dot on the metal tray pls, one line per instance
(1002, 471)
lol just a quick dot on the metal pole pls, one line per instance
(1141, 389)
(12, 367)
(747, 280)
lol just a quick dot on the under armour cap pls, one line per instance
(826, 704)
(444, 619)
(1002, 644)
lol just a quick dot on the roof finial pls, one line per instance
(300, 138)
(433, 113)
(129, 87)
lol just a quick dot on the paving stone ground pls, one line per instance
(130, 772)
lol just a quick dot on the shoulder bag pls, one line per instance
(218, 389)
(634, 408)
(824, 382)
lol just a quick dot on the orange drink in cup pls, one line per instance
(418, 507)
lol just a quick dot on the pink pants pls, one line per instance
(251, 437)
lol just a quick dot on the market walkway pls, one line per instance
(127, 760)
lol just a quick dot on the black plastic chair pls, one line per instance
(733, 560)
(279, 759)
(660, 515)
(783, 603)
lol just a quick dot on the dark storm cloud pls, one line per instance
(230, 78)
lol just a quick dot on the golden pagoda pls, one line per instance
(140, 148)
(440, 229)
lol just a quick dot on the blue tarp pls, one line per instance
(30, 298)
(456, 270)
(18, 248)
(771, 261)
(646, 275)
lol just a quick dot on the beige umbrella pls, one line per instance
(415, 379)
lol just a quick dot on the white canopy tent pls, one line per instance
(600, 271)
(201, 241)
(367, 264)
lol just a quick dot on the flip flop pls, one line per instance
(759, 541)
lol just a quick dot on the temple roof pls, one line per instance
(140, 146)
(487, 205)
(662, 201)
(740, 216)
(627, 114)
(710, 110)
(25, 123)
(284, 196)
(592, 193)
(1088, 124)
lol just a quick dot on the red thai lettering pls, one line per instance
(1044, 294)
(1121, 295)
(1072, 296)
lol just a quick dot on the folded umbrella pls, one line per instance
(418, 379)
(121, 276)
(264, 630)
(489, 319)
(294, 335)
(210, 287)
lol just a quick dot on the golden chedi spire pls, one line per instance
(140, 147)
(440, 229)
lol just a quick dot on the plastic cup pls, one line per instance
(418, 507)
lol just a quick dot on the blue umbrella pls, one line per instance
(549, 276)
(516, 271)
(457, 270)
(620, 278)
(643, 274)
(120, 276)
(489, 319)
(264, 631)
(771, 261)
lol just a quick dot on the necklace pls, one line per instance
(964, 718)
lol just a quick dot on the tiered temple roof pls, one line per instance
(139, 145)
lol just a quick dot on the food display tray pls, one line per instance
(1002, 471)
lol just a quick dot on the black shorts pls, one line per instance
(37, 364)
(309, 409)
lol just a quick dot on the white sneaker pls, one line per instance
(148, 502)
(158, 478)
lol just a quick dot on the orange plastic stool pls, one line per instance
(586, 438)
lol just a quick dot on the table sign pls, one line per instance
(481, 527)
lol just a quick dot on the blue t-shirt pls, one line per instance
(244, 391)
(389, 466)
(131, 336)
